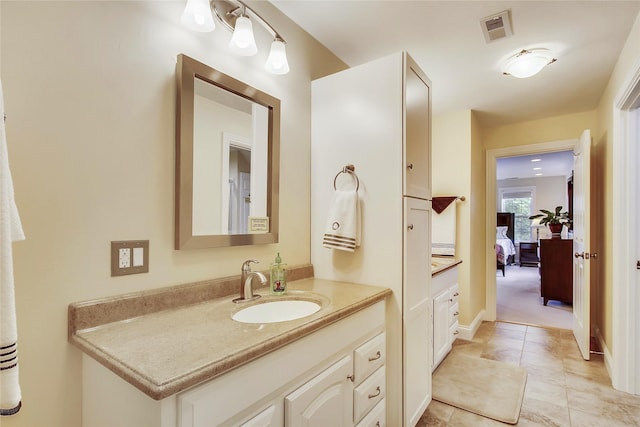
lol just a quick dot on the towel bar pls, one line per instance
(348, 169)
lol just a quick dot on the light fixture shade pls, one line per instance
(277, 61)
(197, 16)
(242, 41)
(527, 63)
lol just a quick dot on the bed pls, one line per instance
(505, 248)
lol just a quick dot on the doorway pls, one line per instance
(492, 157)
(525, 185)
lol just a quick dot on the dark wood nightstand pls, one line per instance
(529, 254)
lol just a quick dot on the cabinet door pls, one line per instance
(417, 150)
(326, 400)
(416, 309)
(264, 419)
(441, 323)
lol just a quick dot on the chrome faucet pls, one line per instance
(246, 282)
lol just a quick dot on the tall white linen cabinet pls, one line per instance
(377, 116)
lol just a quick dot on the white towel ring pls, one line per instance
(348, 169)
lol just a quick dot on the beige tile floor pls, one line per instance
(562, 389)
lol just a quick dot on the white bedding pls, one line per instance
(508, 248)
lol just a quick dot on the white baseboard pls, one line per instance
(467, 332)
(608, 361)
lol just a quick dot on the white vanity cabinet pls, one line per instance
(311, 381)
(377, 116)
(445, 313)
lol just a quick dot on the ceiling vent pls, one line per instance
(496, 26)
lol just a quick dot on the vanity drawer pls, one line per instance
(453, 331)
(455, 293)
(453, 313)
(377, 417)
(369, 393)
(369, 357)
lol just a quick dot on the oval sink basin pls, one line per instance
(276, 311)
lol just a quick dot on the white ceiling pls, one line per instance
(446, 40)
(549, 164)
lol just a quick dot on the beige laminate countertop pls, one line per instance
(440, 264)
(164, 352)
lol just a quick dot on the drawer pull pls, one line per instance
(351, 377)
(456, 294)
(377, 424)
(456, 333)
(376, 357)
(371, 396)
(456, 313)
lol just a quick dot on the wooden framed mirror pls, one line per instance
(227, 160)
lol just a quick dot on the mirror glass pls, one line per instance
(227, 139)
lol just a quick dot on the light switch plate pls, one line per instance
(129, 257)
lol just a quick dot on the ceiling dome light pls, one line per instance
(527, 63)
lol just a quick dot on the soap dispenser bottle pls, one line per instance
(278, 279)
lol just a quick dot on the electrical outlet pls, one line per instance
(124, 258)
(129, 257)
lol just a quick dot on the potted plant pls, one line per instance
(554, 219)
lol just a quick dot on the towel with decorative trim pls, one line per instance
(443, 227)
(10, 231)
(343, 223)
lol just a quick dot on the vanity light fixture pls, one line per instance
(197, 16)
(527, 63)
(237, 17)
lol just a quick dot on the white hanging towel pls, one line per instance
(443, 229)
(342, 231)
(10, 231)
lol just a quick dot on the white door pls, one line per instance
(581, 243)
(416, 309)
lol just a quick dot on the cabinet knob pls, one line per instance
(456, 332)
(456, 294)
(351, 377)
(579, 255)
(456, 313)
(410, 166)
(410, 227)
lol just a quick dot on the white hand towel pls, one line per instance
(343, 223)
(10, 231)
(443, 231)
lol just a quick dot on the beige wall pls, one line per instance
(556, 128)
(477, 204)
(456, 148)
(602, 151)
(90, 93)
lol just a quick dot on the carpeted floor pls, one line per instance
(518, 300)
